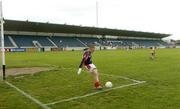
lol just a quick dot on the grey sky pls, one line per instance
(140, 15)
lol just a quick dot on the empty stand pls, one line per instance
(64, 41)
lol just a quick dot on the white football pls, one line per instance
(108, 84)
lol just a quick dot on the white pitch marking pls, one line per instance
(18, 77)
(91, 94)
(123, 77)
(28, 96)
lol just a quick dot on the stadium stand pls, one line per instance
(7, 41)
(25, 34)
(61, 41)
(27, 41)
(88, 40)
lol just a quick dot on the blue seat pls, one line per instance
(66, 41)
(7, 42)
(27, 41)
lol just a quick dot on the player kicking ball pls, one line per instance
(87, 63)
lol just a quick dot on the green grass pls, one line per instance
(161, 90)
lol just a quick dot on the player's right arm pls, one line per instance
(82, 63)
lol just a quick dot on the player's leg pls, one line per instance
(152, 55)
(92, 68)
(96, 76)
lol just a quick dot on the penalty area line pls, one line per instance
(94, 93)
(105, 74)
(123, 77)
(28, 96)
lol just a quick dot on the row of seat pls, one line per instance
(43, 41)
(136, 42)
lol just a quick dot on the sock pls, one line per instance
(97, 84)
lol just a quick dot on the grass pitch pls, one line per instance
(161, 90)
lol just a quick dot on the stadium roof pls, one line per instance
(14, 25)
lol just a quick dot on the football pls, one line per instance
(108, 84)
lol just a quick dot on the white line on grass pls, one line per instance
(28, 96)
(91, 94)
(123, 77)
